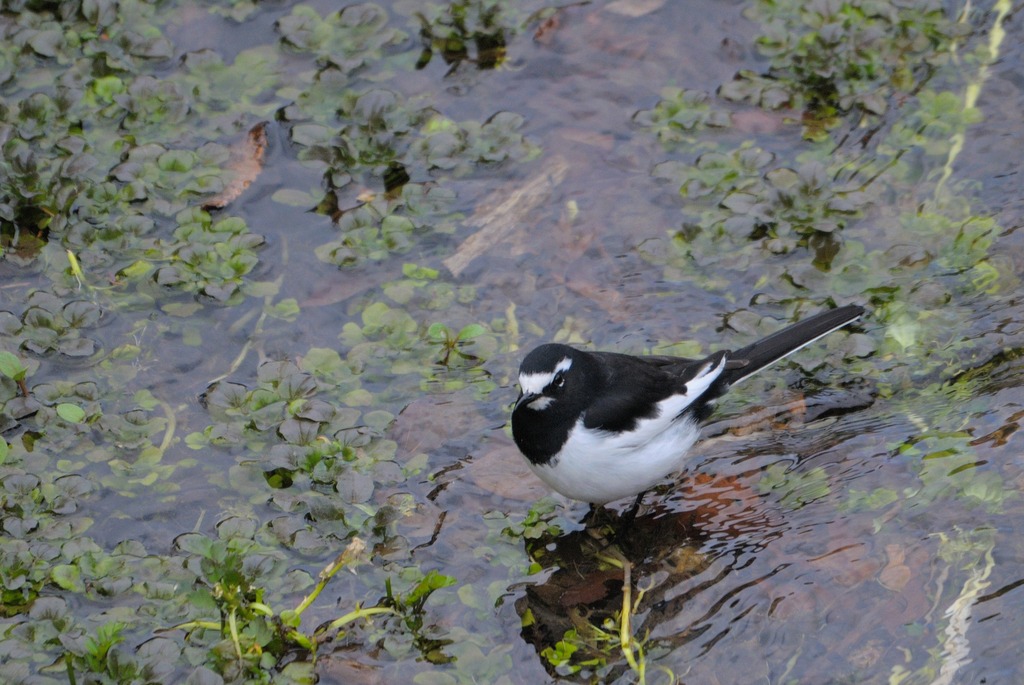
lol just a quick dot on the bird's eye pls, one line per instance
(559, 380)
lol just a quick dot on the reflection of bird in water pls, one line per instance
(661, 550)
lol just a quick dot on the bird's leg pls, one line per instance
(628, 517)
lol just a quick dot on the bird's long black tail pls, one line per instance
(752, 358)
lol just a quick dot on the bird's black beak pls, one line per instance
(524, 399)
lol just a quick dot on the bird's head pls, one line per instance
(557, 384)
(554, 378)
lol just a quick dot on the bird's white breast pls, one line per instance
(600, 466)
(596, 466)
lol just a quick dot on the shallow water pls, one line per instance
(854, 516)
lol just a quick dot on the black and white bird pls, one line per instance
(600, 426)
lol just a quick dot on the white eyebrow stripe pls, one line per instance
(536, 382)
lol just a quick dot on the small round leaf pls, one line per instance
(70, 412)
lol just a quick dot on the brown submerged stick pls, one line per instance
(497, 217)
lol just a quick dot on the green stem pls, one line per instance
(626, 622)
(233, 626)
(358, 613)
(172, 425)
(354, 549)
(71, 669)
(76, 269)
(192, 625)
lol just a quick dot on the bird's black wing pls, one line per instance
(760, 354)
(632, 387)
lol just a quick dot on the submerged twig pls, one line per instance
(501, 218)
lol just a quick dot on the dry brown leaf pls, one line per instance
(687, 560)
(999, 436)
(339, 667)
(896, 573)
(545, 33)
(246, 164)
(758, 121)
(591, 588)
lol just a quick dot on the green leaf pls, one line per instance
(107, 87)
(438, 332)
(294, 198)
(419, 272)
(68, 577)
(5, 449)
(145, 399)
(286, 309)
(11, 366)
(322, 361)
(70, 412)
(137, 269)
(432, 581)
(47, 42)
(375, 313)
(473, 330)
(177, 160)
